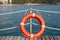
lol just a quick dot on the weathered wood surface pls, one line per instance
(23, 38)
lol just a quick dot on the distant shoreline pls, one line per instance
(22, 4)
(18, 4)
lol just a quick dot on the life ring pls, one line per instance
(41, 21)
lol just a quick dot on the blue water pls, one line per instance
(13, 20)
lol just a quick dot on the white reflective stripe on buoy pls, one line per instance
(30, 11)
(33, 14)
(43, 25)
(21, 23)
(31, 35)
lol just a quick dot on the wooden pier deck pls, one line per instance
(23, 38)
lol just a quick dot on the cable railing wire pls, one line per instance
(13, 12)
(46, 11)
(10, 28)
(53, 28)
(29, 23)
(27, 10)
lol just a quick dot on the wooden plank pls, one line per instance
(34, 38)
(15, 37)
(55, 37)
(43, 38)
(51, 38)
(11, 38)
(31, 38)
(19, 38)
(47, 38)
(0, 37)
(3, 38)
(27, 38)
(58, 37)
(7, 37)
(39, 38)
(23, 38)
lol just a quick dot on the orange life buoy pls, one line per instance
(41, 21)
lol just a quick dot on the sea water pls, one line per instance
(13, 20)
